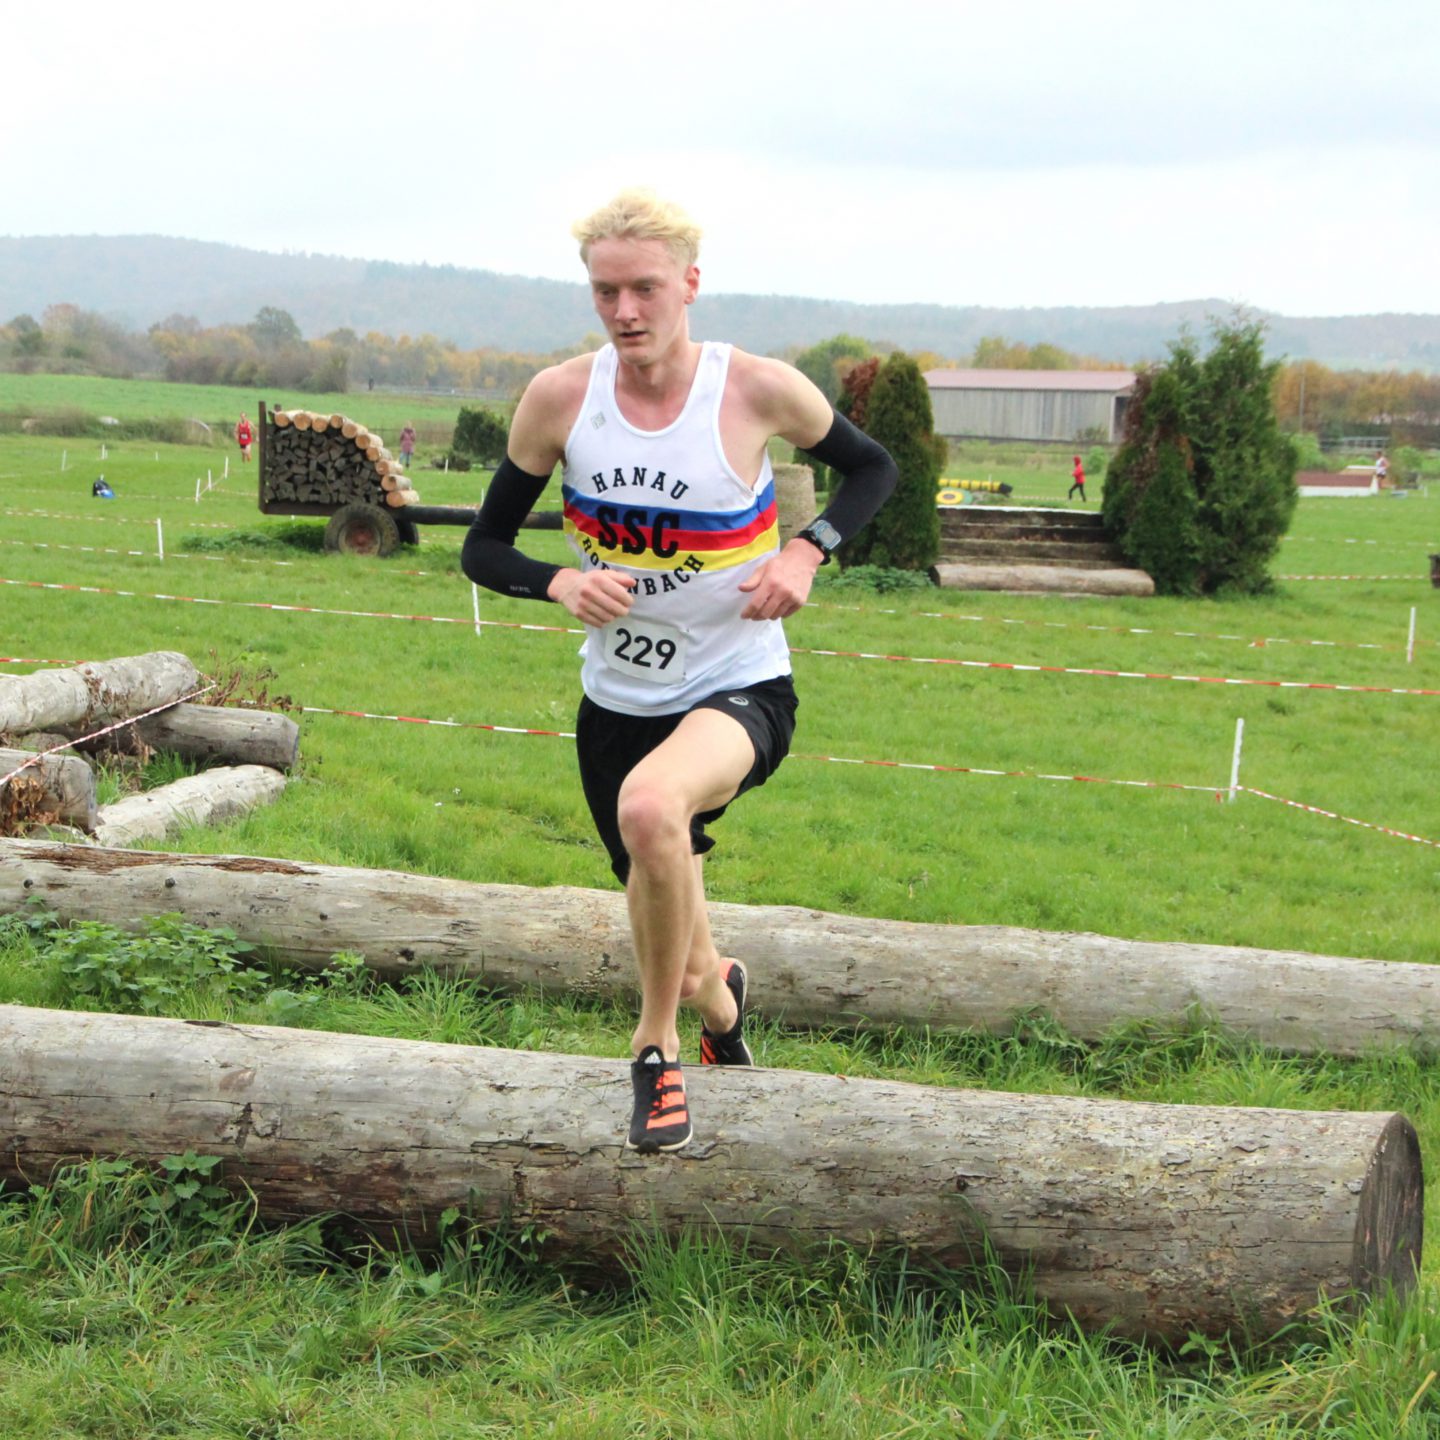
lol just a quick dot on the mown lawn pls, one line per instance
(114, 1326)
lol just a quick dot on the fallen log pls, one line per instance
(94, 693)
(1051, 579)
(65, 785)
(208, 798)
(1157, 1220)
(807, 967)
(222, 732)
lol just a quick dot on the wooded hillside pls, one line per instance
(141, 279)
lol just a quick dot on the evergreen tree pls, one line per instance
(893, 406)
(1203, 485)
(480, 435)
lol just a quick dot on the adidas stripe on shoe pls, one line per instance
(661, 1118)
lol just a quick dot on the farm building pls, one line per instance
(1062, 405)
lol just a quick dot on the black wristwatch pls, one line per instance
(823, 536)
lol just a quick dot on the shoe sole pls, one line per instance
(651, 1147)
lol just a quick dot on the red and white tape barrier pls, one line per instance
(1256, 642)
(1117, 674)
(39, 755)
(935, 767)
(1332, 815)
(295, 609)
(116, 519)
(838, 654)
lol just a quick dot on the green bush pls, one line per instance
(1407, 465)
(1097, 457)
(824, 362)
(1308, 454)
(905, 535)
(482, 435)
(1203, 485)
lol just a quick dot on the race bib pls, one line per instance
(646, 650)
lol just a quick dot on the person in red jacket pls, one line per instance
(1077, 475)
(244, 436)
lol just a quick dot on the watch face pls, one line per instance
(826, 534)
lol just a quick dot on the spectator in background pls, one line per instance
(407, 444)
(244, 436)
(1077, 476)
(1382, 469)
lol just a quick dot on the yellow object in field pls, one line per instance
(954, 492)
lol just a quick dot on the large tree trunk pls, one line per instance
(1053, 579)
(222, 732)
(806, 966)
(65, 786)
(1160, 1220)
(208, 798)
(93, 694)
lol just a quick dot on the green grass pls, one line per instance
(219, 406)
(108, 1331)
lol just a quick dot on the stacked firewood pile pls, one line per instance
(315, 459)
(54, 723)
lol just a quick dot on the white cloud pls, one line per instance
(1041, 152)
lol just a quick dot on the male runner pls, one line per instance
(681, 584)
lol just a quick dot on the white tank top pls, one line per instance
(666, 507)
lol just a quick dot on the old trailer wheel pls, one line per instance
(358, 529)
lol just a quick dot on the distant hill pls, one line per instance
(139, 279)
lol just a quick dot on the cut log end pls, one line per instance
(1389, 1225)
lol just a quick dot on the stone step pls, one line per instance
(1006, 516)
(1075, 557)
(1042, 534)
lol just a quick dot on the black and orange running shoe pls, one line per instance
(661, 1120)
(729, 1048)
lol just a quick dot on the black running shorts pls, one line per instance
(610, 745)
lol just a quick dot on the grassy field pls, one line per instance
(229, 1331)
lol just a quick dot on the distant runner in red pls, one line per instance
(1078, 476)
(244, 436)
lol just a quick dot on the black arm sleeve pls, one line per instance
(489, 556)
(867, 475)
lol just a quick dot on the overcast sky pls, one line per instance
(1279, 154)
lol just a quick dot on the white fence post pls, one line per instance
(1235, 759)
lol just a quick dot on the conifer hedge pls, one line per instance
(891, 403)
(1203, 485)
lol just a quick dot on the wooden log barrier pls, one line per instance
(1159, 1220)
(209, 798)
(66, 784)
(223, 732)
(95, 692)
(1056, 579)
(806, 966)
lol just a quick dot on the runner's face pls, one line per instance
(640, 292)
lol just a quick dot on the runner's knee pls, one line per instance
(652, 822)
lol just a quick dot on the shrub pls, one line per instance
(1407, 465)
(1097, 457)
(482, 435)
(905, 534)
(1308, 454)
(824, 363)
(1203, 485)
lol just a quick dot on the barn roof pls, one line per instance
(1101, 381)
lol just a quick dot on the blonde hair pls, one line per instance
(641, 215)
